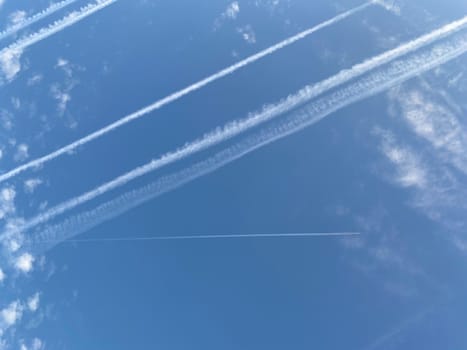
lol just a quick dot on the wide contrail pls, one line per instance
(35, 18)
(379, 81)
(177, 95)
(268, 113)
(56, 27)
(208, 236)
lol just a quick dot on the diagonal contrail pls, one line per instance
(207, 236)
(35, 18)
(325, 106)
(177, 95)
(370, 85)
(18, 46)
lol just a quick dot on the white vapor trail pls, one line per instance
(56, 27)
(210, 236)
(35, 18)
(177, 95)
(268, 113)
(379, 81)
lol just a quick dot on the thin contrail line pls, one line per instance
(57, 26)
(35, 18)
(177, 95)
(270, 112)
(375, 83)
(207, 236)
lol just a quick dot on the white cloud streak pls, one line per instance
(177, 95)
(20, 45)
(35, 18)
(311, 113)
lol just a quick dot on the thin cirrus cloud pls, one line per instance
(311, 113)
(10, 55)
(409, 167)
(434, 122)
(179, 94)
(436, 191)
(435, 171)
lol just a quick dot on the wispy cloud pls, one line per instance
(11, 314)
(6, 119)
(10, 317)
(36, 344)
(436, 190)
(232, 10)
(33, 302)
(16, 17)
(25, 262)
(247, 33)
(390, 5)
(223, 73)
(61, 92)
(10, 63)
(230, 13)
(7, 201)
(433, 121)
(271, 5)
(410, 170)
(22, 152)
(35, 79)
(62, 97)
(30, 185)
(434, 154)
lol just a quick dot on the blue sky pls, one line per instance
(380, 150)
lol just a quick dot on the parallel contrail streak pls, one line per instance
(35, 18)
(374, 83)
(179, 94)
(195, 237)
(57, 26)
(270, 112)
